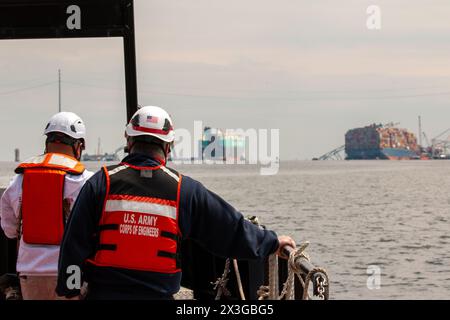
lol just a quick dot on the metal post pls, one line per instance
(130, 62)
(59, 90)
(420, 132)
(8, 251)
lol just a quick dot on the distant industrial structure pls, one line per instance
(99, 156)
(439, 146)
(16, 155)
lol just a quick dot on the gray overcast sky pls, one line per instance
(310, 68)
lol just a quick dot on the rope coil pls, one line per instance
(294, 270)
(318, 276)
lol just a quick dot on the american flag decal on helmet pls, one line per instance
(152, 119)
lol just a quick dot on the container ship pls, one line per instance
(226, 146)
(383, 142)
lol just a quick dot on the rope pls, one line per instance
(238, 279)
(288, 291)
(273, 277)
(13, 293)
(263, 293)
(221, 284)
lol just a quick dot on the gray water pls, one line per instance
(393, 214)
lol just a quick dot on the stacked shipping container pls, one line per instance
(378, 141)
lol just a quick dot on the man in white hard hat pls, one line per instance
(125, 229)
(36, 205)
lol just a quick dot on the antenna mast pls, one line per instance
(420, 131)
(59, 90)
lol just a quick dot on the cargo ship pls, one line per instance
(381, 142)
(220, 145)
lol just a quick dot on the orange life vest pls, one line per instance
(42, 196)
(139, 223)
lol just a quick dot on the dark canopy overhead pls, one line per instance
(41, 19)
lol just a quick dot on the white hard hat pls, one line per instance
(68, 123)
(151, 121)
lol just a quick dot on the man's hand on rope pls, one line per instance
(284, 241)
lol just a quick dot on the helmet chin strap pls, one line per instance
(75, 153)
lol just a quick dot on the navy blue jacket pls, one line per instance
(203, 217)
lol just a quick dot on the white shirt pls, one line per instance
(35, 259)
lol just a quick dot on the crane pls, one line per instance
(441, 134)
(440, 146)
(426, 139)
